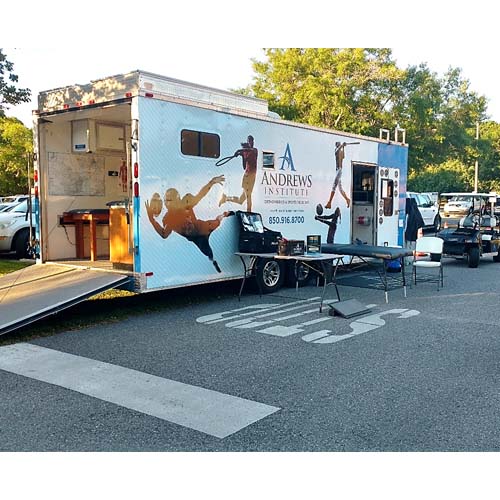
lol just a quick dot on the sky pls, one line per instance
(212, 43)
(232, 68)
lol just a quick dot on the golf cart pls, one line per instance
(477, 233)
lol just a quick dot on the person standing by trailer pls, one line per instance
(339, 158)
(413, 223)
(180, 218)
(249, 158)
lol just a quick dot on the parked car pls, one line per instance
(10, 201)
(462, 203)
(6, 206)
(429, 210)
(15, 229)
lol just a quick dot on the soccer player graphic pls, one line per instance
(331, 221)
(180, 217)
(339, 158)
(249, 158)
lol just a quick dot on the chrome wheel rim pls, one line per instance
(271, 273)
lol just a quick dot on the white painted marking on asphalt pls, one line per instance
(315, 321)
(277, 309)
(367, 324)
(310, 337)
(253, 324)
(216, 317)
(281, 331)
(331, 339)
(410, 313)
(204, 410)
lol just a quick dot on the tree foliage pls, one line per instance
(363, 90)
(9, 94)
(15, 145)
(343, 89)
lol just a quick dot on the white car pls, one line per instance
(10, 201)
(460, 204)
(15, 230)
(429, 210)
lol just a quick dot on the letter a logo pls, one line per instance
(287, 157)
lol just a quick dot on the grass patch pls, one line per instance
(9, 266)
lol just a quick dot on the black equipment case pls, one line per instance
(254, 237)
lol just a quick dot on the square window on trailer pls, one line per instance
(204, 144)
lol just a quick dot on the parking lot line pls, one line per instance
(204, 410)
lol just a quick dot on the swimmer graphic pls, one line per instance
(180, 217)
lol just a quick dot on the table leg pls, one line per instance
(384, 265)
(402, 260)
(93, 238)
(79, 239)
(324, 267)
(244, 276)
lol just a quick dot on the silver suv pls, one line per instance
(429, 210)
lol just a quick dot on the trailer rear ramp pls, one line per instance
(38, 291)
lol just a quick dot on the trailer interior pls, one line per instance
(85, 182)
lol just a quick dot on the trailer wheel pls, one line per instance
(20, 245)
(304, 274)
(473, 257)
(269, 274)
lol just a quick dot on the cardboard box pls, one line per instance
(291, 247)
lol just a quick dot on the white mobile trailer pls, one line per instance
(139, 154)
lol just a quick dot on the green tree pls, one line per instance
(439, 115)
(487, 153)
(451, 175)
(9, 94)
(344, 89)
(15, 145)
(362, 90)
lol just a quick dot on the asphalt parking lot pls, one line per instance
(268, 373)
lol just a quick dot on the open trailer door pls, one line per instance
(41, 290)
(388, 206)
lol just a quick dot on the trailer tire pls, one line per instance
(20, 245)
(473, 256)
(269, 275)
(304, 274)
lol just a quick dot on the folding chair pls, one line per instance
(433, 246)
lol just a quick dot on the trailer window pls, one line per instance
(194, 143)
(267, 159)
